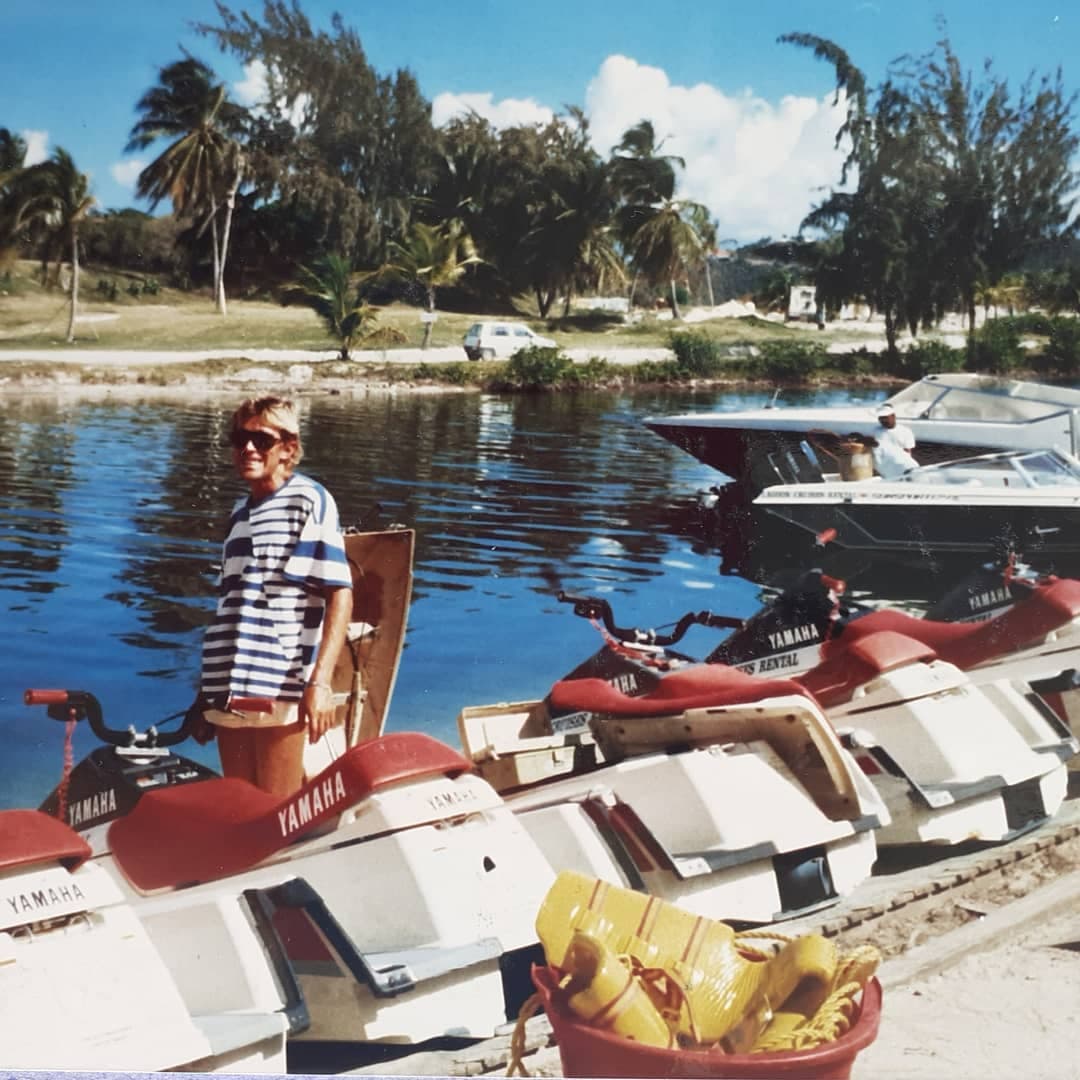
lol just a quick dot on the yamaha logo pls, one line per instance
(305, 808)
(794, 635)
(98, 805)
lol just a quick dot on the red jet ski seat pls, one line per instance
(699, 687)
(1049, 607)
(28, 837)
(200, 832)
(849, 663)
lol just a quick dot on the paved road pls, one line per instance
(131, 357)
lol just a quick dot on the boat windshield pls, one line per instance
(934, 401)
(1044, 468)
(1040, 468)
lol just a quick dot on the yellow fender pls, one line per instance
(719, 995)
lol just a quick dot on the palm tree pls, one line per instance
(432, 256)
(12, 155)
(59, 195)
(664, 243)
(705, 227)
(574, 238)
(643, 178)
(331, 290)
(202, 168)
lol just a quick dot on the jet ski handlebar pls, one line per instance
(82, 705)
(593, 607)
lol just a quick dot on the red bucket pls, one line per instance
(587, 1051)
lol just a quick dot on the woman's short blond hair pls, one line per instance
(276, 411)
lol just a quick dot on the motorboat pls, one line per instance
(957, 506)
(953, 757)
(83, 985)
(395, 892)
(950, 415)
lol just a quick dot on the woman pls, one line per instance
(283, 608)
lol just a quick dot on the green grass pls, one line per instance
(32, 316)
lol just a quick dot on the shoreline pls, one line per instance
(99, 372)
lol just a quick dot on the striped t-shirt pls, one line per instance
(279, 553)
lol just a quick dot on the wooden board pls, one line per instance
(364, 677)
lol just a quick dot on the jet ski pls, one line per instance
(954, 757)
(396, 887)
(84, 986)
(1003, 619)
(748, 810)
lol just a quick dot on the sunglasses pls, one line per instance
(261, 440)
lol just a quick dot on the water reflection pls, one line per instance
(113, 512)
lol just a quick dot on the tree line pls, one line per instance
(339, 190)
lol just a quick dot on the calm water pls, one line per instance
(111, 514)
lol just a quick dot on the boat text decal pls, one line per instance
(93, 806)
(306, 807)
(444, 800)
(43, 901)
(794, 635)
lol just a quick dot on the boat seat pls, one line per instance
(1049, 607)
(699, 687)
(28, 837)
(201, 832)
(849, 663)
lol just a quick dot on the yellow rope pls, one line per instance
(516, 1066)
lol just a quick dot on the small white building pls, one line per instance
(802, 303)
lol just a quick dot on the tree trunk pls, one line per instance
(429, 324)
(230, 203)
(215, 247)
(633, 287)
(708, 282)
(566, 304)
(890, 332)
(74, 284)
(676, 314)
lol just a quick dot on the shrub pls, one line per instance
(996, 348)
(929, 358)
(1062, 351)
(596, 371)
(696, 354)
(857, 362)
(535, 367)
(107, 289)
(790, 361)
(151, 287)
(1032, 322)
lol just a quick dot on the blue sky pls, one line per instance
(751, 117)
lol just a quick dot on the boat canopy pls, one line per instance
(981, 398)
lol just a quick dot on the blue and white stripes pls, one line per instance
(280, 554)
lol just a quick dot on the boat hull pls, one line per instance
(924, 524)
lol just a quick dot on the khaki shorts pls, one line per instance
(283, 714)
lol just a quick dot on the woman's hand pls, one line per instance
(318, 710)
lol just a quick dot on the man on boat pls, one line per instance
(893, 445)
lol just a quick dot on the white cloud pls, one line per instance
(37, 146)
(758, 166)
(125, 173)
(509, 112)
(252, 91)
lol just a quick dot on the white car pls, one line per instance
(488, 340)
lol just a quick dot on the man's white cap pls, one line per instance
(885, 410)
